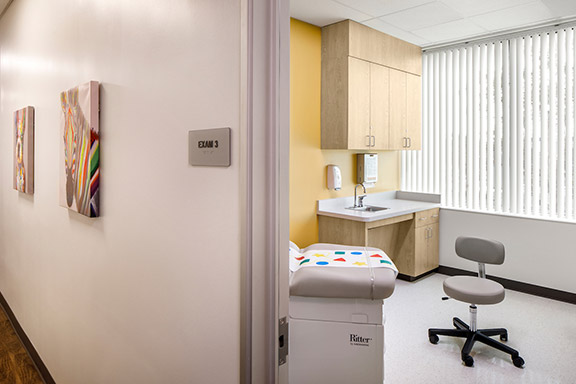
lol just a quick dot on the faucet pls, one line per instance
(358, 201)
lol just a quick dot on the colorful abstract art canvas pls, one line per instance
(80, 151)
(24, 150)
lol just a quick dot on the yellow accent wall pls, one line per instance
(307, 161)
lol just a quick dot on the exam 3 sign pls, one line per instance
(209, 147)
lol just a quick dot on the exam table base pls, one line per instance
(336, 341)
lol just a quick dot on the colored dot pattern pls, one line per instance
(358, 259)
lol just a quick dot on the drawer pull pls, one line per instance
(422, 218)
(434, 216)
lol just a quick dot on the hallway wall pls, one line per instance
(149, 292)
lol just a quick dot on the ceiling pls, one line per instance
(431, 22)
(427, 23)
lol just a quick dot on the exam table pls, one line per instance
(336, 313)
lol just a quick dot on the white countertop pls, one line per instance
(398, 202)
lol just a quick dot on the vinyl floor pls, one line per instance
(542, 330)
(16, 366)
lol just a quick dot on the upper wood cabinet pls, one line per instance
(370, 89)
(368, 124)
(405, 110)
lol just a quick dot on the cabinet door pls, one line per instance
(421, 251)
(358, 104)
(397, 109)
(413, 111)
(379, 105)
(433, 244)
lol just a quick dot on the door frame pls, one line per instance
(265, 127)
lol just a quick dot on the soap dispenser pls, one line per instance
(334, 177)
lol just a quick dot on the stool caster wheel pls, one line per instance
(433, 339)
(504, 337)
(468, 360)
(518, 361)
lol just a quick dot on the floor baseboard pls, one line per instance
(513, 285)
(44, 373)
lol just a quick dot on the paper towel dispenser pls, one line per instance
(367, 167)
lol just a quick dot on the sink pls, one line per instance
(368, 208)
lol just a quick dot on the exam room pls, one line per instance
(493, 159)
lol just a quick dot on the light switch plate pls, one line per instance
(209, 147)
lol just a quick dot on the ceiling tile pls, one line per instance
(475, 7)
(378, 8)
(561, 8)
(453, 30)
(422, 16)
(513, 17)
(324, 12)
(398, 33)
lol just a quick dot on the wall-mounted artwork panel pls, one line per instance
(80, 150)
(23, 180)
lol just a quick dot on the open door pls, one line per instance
(266, 66)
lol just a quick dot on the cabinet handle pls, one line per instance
(369, 140)
(373, 142)
(404, 142)
(409, 142)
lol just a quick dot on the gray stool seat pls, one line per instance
(470, 289)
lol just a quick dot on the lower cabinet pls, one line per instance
(411, 240)
(426, 225)
(426, 250)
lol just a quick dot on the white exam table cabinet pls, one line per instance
(337, 321)
(336, 314)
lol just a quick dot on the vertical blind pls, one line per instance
(498, 127)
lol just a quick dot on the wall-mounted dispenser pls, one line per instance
(367, 168)
(334, 177)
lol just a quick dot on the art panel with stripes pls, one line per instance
(80, 151)
(23, 179)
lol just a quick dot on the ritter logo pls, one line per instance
(359, 340)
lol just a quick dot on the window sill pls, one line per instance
(511, 215)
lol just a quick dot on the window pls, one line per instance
(498, 126)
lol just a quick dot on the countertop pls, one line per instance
(398, 202)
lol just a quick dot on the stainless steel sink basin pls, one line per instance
(368, 208)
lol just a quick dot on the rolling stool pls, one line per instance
(476, 290)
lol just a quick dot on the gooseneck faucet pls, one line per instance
(358, 200)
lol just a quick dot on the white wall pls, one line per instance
(149, 292)
(537, 252)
